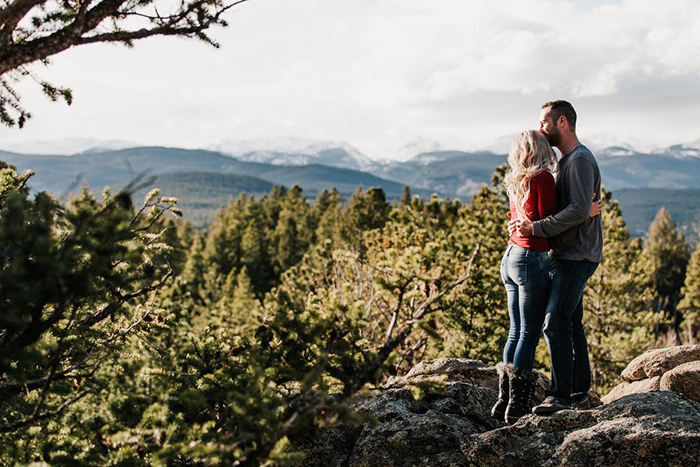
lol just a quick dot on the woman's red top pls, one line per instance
(541, 202)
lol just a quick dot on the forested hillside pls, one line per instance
(639, 206)
(128, 338)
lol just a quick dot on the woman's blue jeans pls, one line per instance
(526, 276)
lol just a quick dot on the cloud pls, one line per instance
(380, 73)
(461, 47)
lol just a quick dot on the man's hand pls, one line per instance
(524, 227)
(596, 208)
(512, 227)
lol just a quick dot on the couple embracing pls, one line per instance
(555, 246)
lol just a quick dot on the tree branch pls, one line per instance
(193, 19)
(368, 372)
(395, 314)
(36, 417)
(11, 15)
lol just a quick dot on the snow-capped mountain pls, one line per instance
(681, 151)
(616, 151)
(595, 142)
(500, 145)
(296, 151)
(677, 151)
(613, 146)
(300, 151)
(454, 173)
(427, 158)
(417, 147)
(442, 156)
(602, 141)
(67, 146)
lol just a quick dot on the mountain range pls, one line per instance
(205, 179)
(460, 173)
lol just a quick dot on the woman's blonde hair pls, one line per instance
(530, 154)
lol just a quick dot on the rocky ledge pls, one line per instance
(438, 415)
(674, 369)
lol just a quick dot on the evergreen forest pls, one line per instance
(128, 338)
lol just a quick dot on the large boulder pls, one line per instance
(635, 387)
(656, 362)
(648, 373)
(683, 379)
(660, 428)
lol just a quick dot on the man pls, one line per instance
(577, 248)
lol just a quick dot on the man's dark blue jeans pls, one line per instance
(526, 276)
(564, 333)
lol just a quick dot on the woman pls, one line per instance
(525, 270)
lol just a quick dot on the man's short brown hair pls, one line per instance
(564, 108)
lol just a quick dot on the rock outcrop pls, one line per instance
(635, 387)
(656, 362)
(447, 423)
(647, 373)
(472, 372)
(404, 430)
(660, 428)
(683, 379)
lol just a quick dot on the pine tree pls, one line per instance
(287, 239)
(223, 249)
(292, 234)
(331, 214)
(254, 255)
(406, 196)
(478, 315)
(272, 205)
(669, 254)
(194, 268)
(76, 283)
(366, 210)
(238, 309)
(689, 306)
(369, 209)
(618, 317)
(327, 199)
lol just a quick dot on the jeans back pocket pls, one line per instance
(518, 272)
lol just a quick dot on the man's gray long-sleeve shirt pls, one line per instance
(572, 234)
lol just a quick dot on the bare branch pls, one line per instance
(368, 372)
(145, 290)
(395, 314)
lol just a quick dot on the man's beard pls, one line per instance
(554, 137)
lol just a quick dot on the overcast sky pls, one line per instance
(380, 74)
